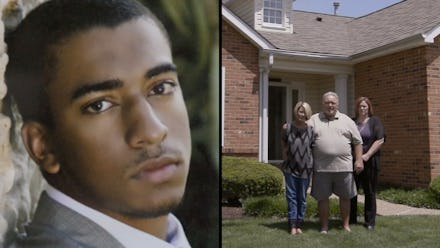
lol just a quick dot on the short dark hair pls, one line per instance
(32, 59)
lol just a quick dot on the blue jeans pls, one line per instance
(296, 191)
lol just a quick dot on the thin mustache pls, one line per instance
(151, 153)
(148, 153)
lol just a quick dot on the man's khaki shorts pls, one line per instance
(340, 183)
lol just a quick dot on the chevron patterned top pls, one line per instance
(299, 141)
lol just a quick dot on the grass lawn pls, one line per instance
(391, 231)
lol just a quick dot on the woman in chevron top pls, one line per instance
(297, 139)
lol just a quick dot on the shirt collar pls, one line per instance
(125, 234)
(322, 116)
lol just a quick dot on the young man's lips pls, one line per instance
(157, 170)
(158, 175)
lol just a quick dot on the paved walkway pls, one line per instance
(385, 208)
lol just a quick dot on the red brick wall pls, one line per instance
(433, 79)
(241, 121)
(397, 86)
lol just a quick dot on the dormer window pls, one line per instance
(273, 11)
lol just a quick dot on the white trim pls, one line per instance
(280, 10)
(223, 107)
(310, 55)
(264, 104)
(400, 45)
(305, 65)
(273, 24)
(269, 25)
(245, 29)
(430, 35)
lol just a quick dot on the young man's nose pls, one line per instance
(143, 125)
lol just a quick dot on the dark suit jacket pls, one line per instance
(55, 225)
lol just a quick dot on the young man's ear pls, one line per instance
(39, 146)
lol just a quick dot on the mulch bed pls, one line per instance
(232, 212)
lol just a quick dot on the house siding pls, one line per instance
(314, 92)
(241, 120)
(245, 9)
(397, 86)
(433, 79)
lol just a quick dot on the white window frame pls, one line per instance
(274, 9)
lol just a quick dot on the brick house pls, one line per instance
(273, 56)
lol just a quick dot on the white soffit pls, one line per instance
(431, 34)
(398, 46)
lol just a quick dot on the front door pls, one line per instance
(281, 101)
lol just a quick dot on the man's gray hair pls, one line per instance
(330, 93)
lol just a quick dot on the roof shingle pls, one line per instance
(338, 35)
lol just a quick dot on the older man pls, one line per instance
(336, 136)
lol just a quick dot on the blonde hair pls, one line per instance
(307, 109)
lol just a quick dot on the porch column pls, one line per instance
(264, 105)
(341, 90)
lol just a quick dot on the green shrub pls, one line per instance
(245, 177)
(419, 198)
(265, 206)
(269, 206)
(435, 187)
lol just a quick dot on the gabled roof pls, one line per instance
(407, 24)
(327, 36)
(246, 30)
(397, 22)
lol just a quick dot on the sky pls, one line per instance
(351, 8)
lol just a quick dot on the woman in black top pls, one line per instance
(372, 132)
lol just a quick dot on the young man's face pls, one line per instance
(121, 127)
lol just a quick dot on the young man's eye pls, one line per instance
(163, 88)
(97, 107)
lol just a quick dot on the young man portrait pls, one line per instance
(105, 120)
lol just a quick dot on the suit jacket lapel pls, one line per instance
(54, 217)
